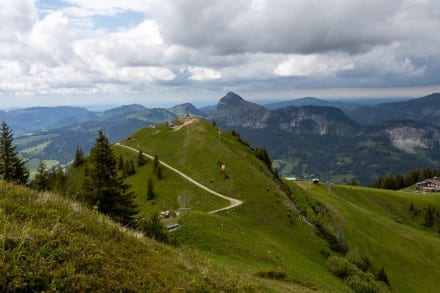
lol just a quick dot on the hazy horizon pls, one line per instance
(103, 107)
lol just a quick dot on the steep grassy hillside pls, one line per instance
(49, 243)
(386, 227)
(172, 191)
(264, 235)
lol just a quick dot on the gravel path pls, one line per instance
(233, 202)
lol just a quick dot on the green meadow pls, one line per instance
(388, 228)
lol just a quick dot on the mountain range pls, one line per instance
(53, 134)
(28, 120)
(307, 136)
(425, 109)
(325, 142)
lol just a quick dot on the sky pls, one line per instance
(163, 52)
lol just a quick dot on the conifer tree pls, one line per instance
(150, 189)
(141, 160)
(156, 163)
(159, 174)
(41, 180)
(157, 169)
(79, 157)
(429, 216)
(57, 180)
(12, 167)
(104, 189)
(128, 169)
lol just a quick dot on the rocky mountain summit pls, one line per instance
(233, 111)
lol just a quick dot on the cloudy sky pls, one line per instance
(163, 52)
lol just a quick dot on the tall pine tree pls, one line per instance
(79, 157)
(104, 189)
(150, 189)
(12, 167)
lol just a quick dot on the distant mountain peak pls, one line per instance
(231, 98)
(231, 93)
(184, 109)
(234, 110)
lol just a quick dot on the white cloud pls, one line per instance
(304, 26)
(17, 17)
(202, 73)
(58, 48)
(48, 58)
(304, 65)
(139, 46)
(50, 37)
(140, 74)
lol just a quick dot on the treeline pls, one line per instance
(399, 181)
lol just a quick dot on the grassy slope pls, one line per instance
(262, 234)
(172, 191)
(49, 243)
(380, 225)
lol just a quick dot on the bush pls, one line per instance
(153, 228)
(274, 275)
(382, 276)
(341, 267)
(359, 281)
(363, 283)
(358, 260)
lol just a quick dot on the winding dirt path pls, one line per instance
(233, 202)
(187, 121)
